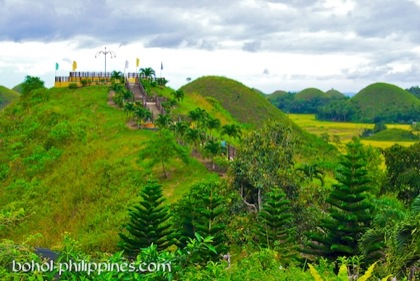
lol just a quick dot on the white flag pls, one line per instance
(126, 64)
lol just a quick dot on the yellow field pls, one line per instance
(344, 131)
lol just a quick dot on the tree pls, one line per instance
(212, 148)
(142, 114)
(163, 149)
(350, 212)
(117, 76)
(403, 171)
(311, 171)
(264, 160)
(149, 222)
(198, 117)
(232, 130)
(163, 121)
(275, 224)
(213, 124)
(201, 211)
(178, 95)
(31, 83)
(148, 73)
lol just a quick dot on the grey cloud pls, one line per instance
(252, 46)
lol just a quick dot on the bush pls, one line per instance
(73, 86)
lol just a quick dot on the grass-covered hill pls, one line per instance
(387, 102)
(275, 95)
(335, 94)
(394, 134)
(69, 163)
(243, 103)
(311, 93)
(7, 96)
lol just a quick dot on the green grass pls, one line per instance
(382, 99)
(334, 94)
(243, 103)
(72, 164)
(7, 96)
(394, 135)
(310, 93)
(345, 130)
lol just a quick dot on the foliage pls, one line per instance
(31, 83)
(164, 149)
(403, 171)
(7, 96)
(149, 222)
(202, 211)
(275, 225)
(265, 160)
(350, 211)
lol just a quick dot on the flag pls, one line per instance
(56, 66)
(161, 66)
(126, 64)
(74, 65)
(137, 62)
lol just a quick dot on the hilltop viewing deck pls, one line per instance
(96, 78)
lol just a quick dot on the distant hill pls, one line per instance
(386, 102)
(275, 95)
(18, 88)
(310, 94)
(334, 94)
(7, 96)
(415, 91)
(243, 103)
(394, 135)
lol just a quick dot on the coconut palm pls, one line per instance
(212, 148)
(117, 76)
(311, 171)
(148, 73)
(232, 130)
(178, 95)
(163, 121)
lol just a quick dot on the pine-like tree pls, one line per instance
(202, 211)
(350, 213)
(275, 228)
(149, 222)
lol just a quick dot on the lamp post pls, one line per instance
(111, 54)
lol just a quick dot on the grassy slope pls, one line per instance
(310, 93)
(7, 96)
(345, 130)
(334, 94)
(242, 102)
(378, 98)
(87, 180)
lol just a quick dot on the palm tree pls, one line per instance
(142, 114)
(312, 171)
(212, 148)
(148, 73)
(117, 76)
(193, 136)
(129, 109)
(178, 95)
(198, 116)
(179, 129)
(163, 121)
(233, 131)
(213, 123)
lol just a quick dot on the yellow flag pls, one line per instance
(137, 62)
(74, 65)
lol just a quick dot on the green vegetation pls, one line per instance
(237, 99)
(394, 135)
(385, 102)
(7, 96)
(77, 177)
(310, 94)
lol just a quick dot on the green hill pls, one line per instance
(335, 94)
(386, 102)
(69, 163)
(7, 96)
(18, 88)
(311, 93)
(275, 95)
(243, 103)
(394, 135)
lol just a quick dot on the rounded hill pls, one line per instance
(242, 102)
(335, 94)
(7, 96)
(386, 102)
(310, 94)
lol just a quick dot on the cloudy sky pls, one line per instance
(266, 44)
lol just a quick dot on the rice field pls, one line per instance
(344, 131)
